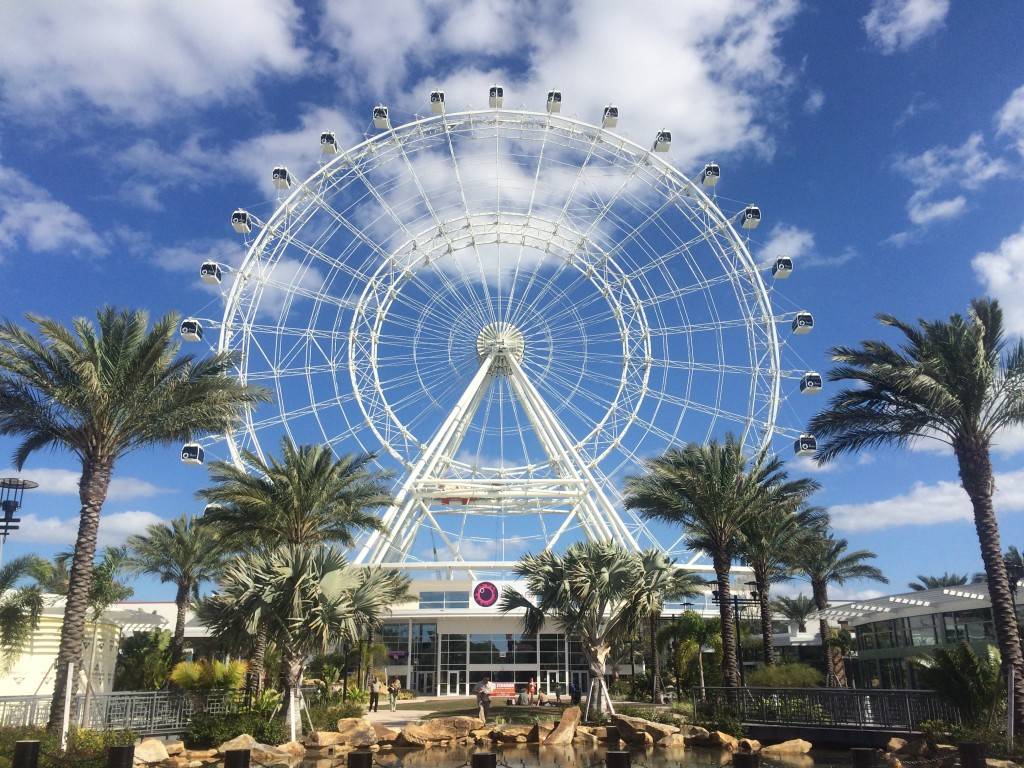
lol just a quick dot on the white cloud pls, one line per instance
(64, 482)
(815, 101)
(926, 504)
(1001, 271)
(922, 211)
(807, 465)
(798, 244)
(140, 59)
(1010, 118)
(31, 219)
(115, 528)
(896, 25)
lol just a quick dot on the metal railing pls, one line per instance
(839, 708)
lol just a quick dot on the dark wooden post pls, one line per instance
(121, 757)
(616, 758)
(237, 758)
(972, 754)
(483, 760)
(863, 757)
(26, 754)
(746, 759)
(361, 758)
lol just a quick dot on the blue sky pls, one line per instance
(884, 142)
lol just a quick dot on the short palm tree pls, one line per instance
(662, 581)
(796, 609)
(966, 679)
(182, 553)
(700, 633)
(592, 591)
(770, 541)
(305, 498)
(957, 381)
(100, 392)
(711, 491)
(934, 582)
(824, 560)
(21, 604)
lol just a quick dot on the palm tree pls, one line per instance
(956, 381)
(663, 580)
(770, 540)
(100, 392)
(796, 609)
(308, 595)
(592, 591)
(711, 491)
(21, 604)
(182, 553)
(699, 632)
(824, 560)
(967, 680)
(934, 582)
(305, 498)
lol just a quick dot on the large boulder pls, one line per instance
(174, 747)
(511, 734)
(566, 728)
(150, 751)
(293, 748)
(895, 744)
(539, 732)
(672, 741)
(441, 729)
(320, 739)
(357, 732)
(723, 740)
(749, 745)
(695, 735)
(914, 748)
(261, 753)
(631, 729)
(385, 734)
(791, 747)
(588, 740)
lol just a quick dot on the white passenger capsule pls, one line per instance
(328, 143)
(803, 322)
(554, 101)
(662, 141)
(380, 117)
(192, 453)
(191, 329)
(710, 175)
(805, 445)
(810, 383)
(210, 273)
(437, 102)
(751, 217)
(610, 117)
(496, 97)
(782, 268)
(282, 179)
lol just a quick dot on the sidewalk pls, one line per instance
(397, 719)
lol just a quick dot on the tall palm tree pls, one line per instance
(796, 609)
(21, 604)
(934, 582)
(100, 392)
(182, 553)
(305, 498)
(824, 560)
(770, 541)
(711, 491)
(699, 632)
(663, 580)
(593, 591)
(957, 381)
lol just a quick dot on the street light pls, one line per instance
(736, 603)
(12, 490)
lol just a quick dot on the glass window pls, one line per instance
(432, 600)
(922, 630)
(396, 639)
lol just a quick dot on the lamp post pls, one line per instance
(12, 491)
(737, 601)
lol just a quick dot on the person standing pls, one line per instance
(531, 692)
(483, 698)
(376, 688)
(393, 690)
(574, 693)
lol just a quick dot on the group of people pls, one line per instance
(527, 696)
(377, 687)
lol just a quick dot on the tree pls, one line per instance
(967, 680)
(769, 544)
(21, 604)
(934, 582)
(711, 491)
(698, 632)
(662, 581)
(305, 498)
(309, 597)
(956, 381)
(592, 591)
(100, 392)
(182, 553)
(796, 609)
(824, 560)
(143, 661)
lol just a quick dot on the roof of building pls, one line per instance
(914, 603)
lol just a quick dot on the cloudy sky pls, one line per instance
(883, 140)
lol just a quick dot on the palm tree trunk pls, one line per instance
(976, 477)
(766, 619)
(820, 592)
(655, 660)
(178, 641)
(730, 668)
(92, 492)
(700, 668)
(259, 656)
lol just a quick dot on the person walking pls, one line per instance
(376, 689)
(574, 693)
(483, 698)
(393, 690)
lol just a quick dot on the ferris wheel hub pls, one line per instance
(502, 340)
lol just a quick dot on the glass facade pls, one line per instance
(502, 649)
(442, 601)
(396, 638)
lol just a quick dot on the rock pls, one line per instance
(611, 734)
(645, 740)
(892, 761)
(261, 753)
(244, 741)
(895, 744)
(694, 734)
(991, 762)
(385, 734)
(176, 761)
(293, 748)
(583, 739)
(631, 728)
(791, 747)
(564, 732)
(749, 745)
(673, 740)
(914, 748)
(945, 750)
(589, 729)
(174, 747)
(150, 751)
(439, 730)
(357, 732)
(539, 732)
(200, 754)
(320, 739)
(723, 740)
(512, 733)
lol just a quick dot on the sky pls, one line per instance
(883, 141)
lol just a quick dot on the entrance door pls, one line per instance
(425, 683)
(582, 680)
(456, 679)
(552, 680)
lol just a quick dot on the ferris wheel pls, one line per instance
(511, 309)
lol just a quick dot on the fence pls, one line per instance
(840, 708)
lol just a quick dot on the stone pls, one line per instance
(914, 748)
(992, 762)
(512, 733)
(564, 732)
(723, 740)
(321, 739)
(293, 748)
(611, 734)
(645, 740)
(895, 744)
(386, 734)
(694, 734)
(357, 732)
(583, 739)
(200, 754)
(539, 732)
(791, 747)
(174, 761)
(672, 741)
(946, 750)
(150, 751)
(243, 741)
(438, 730)
(174, 747)
(632, 728)
(892, 761)
(749, 745)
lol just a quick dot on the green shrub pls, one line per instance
(665, 716)
(326, 716)
(358, 695)
(683, 709)
(723, 719)
(207, 731)
(406, 695)
(86, 749)
(206, 675)
(785, 676)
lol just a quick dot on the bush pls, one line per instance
(665, 716)
(206, 675)
(406, 695)
(684, 710)
(86, 749)
(207, 731)
(723, 719)
(326, 716)
(785, 676)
